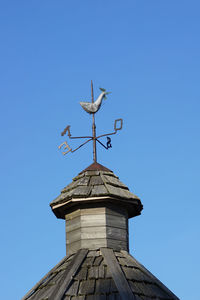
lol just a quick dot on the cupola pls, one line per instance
(96, 207)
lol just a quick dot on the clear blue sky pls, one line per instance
(148, 54)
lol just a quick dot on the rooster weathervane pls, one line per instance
(92, 108)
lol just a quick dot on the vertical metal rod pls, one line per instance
(93, 128)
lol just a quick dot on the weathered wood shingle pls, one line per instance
(93, 183)
(94, 279)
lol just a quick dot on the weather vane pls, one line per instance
(92, 108)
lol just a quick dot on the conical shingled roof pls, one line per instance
(99, 275)
(95, 183)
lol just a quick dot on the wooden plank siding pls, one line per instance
(95, 227)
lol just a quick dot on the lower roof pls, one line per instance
(102, 274)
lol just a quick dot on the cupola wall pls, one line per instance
(94, 227)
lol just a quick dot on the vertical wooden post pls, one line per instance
(93, 128)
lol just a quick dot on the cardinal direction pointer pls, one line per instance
(108, 144)
(65, 130)
(120, 122)
(70, 149)
(66, 147)
(116, 128)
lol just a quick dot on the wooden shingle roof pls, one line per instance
(96, 182)
(99, 275)
(102, 272)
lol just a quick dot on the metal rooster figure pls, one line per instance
(92, 108)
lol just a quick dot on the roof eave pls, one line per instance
(133, 206)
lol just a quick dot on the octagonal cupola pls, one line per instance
(96, 207)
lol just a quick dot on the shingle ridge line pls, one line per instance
(69, 274)
(104, 183)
